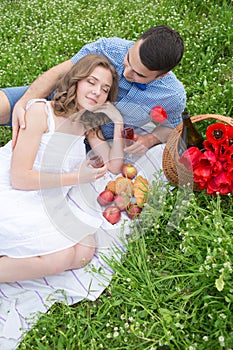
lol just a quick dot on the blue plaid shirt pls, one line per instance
(133, 103)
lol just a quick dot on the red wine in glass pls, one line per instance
(128, 135)
(96, 161)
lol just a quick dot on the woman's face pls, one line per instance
(94, 89)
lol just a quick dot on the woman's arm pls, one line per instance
(113, 156)
(23, 176)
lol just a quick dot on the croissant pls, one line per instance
(124, 184)
(141, 189)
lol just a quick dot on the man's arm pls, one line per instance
(161, 134)
(42, 87)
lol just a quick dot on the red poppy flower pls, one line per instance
(230, 135)
(224, 183)
(223, 152)
(220, 184)
(229, 155)
(210, 156)
(212, 187)
(210, 146)
(216, 133)
(202, 170)
(190, 157)
(215, 164)
(202, 184)
(217, 168)
(230, 173)
(158, 114)
(231, 187)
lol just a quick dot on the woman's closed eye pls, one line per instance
(106, 90)
(91, 81)
(94, 82)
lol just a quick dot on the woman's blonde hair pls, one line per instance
(65, 98)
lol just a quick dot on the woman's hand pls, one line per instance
(110, 110)
(87, 173)
(113, 155)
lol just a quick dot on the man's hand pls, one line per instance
(18, 121)
(141, 144)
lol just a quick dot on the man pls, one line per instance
(145, 81)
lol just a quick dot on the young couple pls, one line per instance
(145, 81)
(36, 248)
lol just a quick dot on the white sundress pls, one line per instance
(40, 222)
(45, 221)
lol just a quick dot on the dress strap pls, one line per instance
(50, 120)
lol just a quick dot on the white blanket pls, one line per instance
(20, 302)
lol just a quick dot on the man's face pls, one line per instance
(134, 70)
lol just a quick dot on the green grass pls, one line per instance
(173, 288)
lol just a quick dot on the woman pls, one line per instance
(48, 159)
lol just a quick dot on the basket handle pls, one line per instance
(227, 120)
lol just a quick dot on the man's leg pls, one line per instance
(8, 98)
(4, 109)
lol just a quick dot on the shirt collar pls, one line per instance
(140, 86)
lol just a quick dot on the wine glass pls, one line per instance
(128, 135)
(96, 161)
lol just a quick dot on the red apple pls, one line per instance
(129, 171)
(112, 214)
(106, 197)
(122, 201)
(133, 211)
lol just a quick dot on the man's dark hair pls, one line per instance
(162, 48)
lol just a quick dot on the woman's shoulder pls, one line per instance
(36, 101)
(36, 114)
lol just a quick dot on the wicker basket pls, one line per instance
(174, 171)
